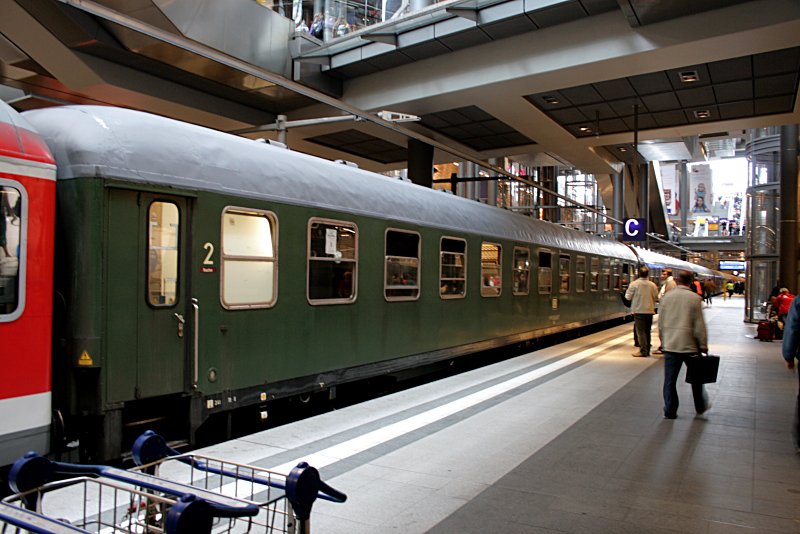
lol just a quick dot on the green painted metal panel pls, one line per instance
(145, 355)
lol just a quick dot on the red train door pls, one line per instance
(147, 295)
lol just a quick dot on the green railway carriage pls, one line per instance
(199, 273)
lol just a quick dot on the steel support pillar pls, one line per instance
(619, 203)
(788, 268)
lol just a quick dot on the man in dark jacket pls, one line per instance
(791, 352)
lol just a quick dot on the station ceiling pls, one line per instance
(566, 82)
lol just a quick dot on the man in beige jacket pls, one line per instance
(643, 295)
(683, 335)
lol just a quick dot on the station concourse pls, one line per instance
(567, 439)
(582, 113)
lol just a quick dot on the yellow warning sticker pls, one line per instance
(85, 359)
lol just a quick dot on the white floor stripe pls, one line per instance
(377, 437)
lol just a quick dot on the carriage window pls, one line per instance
(332, 262)
(10, 247)
(522, 271)
(594, 274)
(452, 268)
(401, 280)
(545, 271)
(491, 270)
(615, 279)
(249, 259)
(162, 257)
(606, 280)
(563, 264)
(627, 269)
(580, 274)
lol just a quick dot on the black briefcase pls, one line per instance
(702, 369)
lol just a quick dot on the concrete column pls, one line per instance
(788, 222)
(619, 203)
(420, 162)
(643, 174)
(461, 188)
(492, 189)
(683, 195)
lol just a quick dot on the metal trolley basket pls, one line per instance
(169, 493)
(284, 501)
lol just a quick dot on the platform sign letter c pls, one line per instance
(634, 229)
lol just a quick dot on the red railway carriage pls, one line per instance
(27, 222)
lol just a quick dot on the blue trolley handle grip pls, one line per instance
(151, 447)
(303, 486)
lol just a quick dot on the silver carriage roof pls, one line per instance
(107, 142)
(655, 259)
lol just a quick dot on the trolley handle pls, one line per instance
(35, 522)
(151, 447)
(33, 471)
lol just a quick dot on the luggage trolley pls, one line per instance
(88, 505)
(284, 501)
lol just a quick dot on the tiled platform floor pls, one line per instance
(566, 439)
(622, 468)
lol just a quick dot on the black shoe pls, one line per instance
(666, 416)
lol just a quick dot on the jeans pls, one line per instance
(643, 323)
(796, 427)
(672, 368)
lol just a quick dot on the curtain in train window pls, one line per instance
(452, 268)
(580, 274)
(545, 271)
(401, 271)
(10, 239)
(491, 270)
(605, 281)
(162, 257)
(522, 271)
(563, 266)
(249, 259)
(615, 277)
(332, 262)
(594, 273)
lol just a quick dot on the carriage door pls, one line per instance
(148, 321)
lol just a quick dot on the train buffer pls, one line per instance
(168, 493)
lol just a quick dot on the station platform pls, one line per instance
(570, 438)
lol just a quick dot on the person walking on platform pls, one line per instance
(791, 351)
(667, 285)
(643, 295)
(708, 290)
(683, 336)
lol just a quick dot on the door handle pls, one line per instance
(181, 323)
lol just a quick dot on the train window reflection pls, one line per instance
(452, 268)
(249, 259)
(522, 271)
(594, 273)
(580, 274)
(545, 271)
(615, 278)
(563, 267)
(401, 268)
(162, 257)
(491, 270)
(332, 262)
(10, 239)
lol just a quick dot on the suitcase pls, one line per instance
(765, 331)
